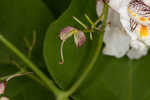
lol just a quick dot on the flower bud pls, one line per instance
(2, 87)
(66, 33)
(79, 38)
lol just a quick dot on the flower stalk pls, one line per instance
(78, 83)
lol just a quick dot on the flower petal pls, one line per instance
(79, 39)
(116, 42)
(147, 2)
(118, 5)
(139, 50)
(99, 7)
(66, 33)
(115, 38)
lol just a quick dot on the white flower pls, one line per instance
(128, 30)
(114, 41)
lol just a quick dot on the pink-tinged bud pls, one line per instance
(64, 35)
(2, 87)
(79, 39)
(67, 32)
(4, 98)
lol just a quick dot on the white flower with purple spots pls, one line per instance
(128, 29)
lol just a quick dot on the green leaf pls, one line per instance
(111, 78)
(7, 69)
(23, 88)
(73, 56)
(57, 6)
(18, 20)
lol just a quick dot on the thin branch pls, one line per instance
(89, 19)
(23, 70)
(80, 22)
(29, 45)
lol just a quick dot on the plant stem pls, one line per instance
(90, 66)
(5, 77)
(80, 22)
(99, 19)
(106, 9)
(88, 19)
(33, 77)
(31, 45)
(77, 84)
(52, 87)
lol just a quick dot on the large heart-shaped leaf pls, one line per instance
(111, 78)
(57, 7)
(74, 58)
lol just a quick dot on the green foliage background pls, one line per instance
(111, 78)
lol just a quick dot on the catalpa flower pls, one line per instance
(128, 29)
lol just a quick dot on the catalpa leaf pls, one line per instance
(111, 78)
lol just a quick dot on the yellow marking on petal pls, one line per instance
(132, 13)
(149, 18)
(144, 31)
(143, 19)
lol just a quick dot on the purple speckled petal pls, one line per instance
(79, 39)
